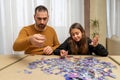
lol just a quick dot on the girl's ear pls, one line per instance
(34, 16)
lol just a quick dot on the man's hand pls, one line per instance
(47, 50)
(37, 40)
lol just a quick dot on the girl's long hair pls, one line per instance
(81, 46)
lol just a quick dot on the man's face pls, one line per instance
(41, 19)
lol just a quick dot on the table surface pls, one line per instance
(115, 58)
(16, 71)
(7, 60)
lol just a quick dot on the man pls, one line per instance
(38, 38)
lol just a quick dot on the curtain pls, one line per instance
(113, 18)
(15, 14)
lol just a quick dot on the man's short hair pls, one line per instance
(41, 8)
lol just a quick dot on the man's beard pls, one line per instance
(41, 26)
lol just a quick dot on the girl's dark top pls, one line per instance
(98, 50)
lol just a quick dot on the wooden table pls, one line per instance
(16, 71)
(7, 60)
(115, 58)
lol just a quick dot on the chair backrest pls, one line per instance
(113, 45)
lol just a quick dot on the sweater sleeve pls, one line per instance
(99, 50)
(64, 46)
(55, 41)
(22, 41)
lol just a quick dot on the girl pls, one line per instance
(79, 44)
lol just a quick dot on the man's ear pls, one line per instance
(48, 16)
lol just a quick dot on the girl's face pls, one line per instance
(76, 34)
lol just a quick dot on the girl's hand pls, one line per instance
(94, 42)
(63, 53)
